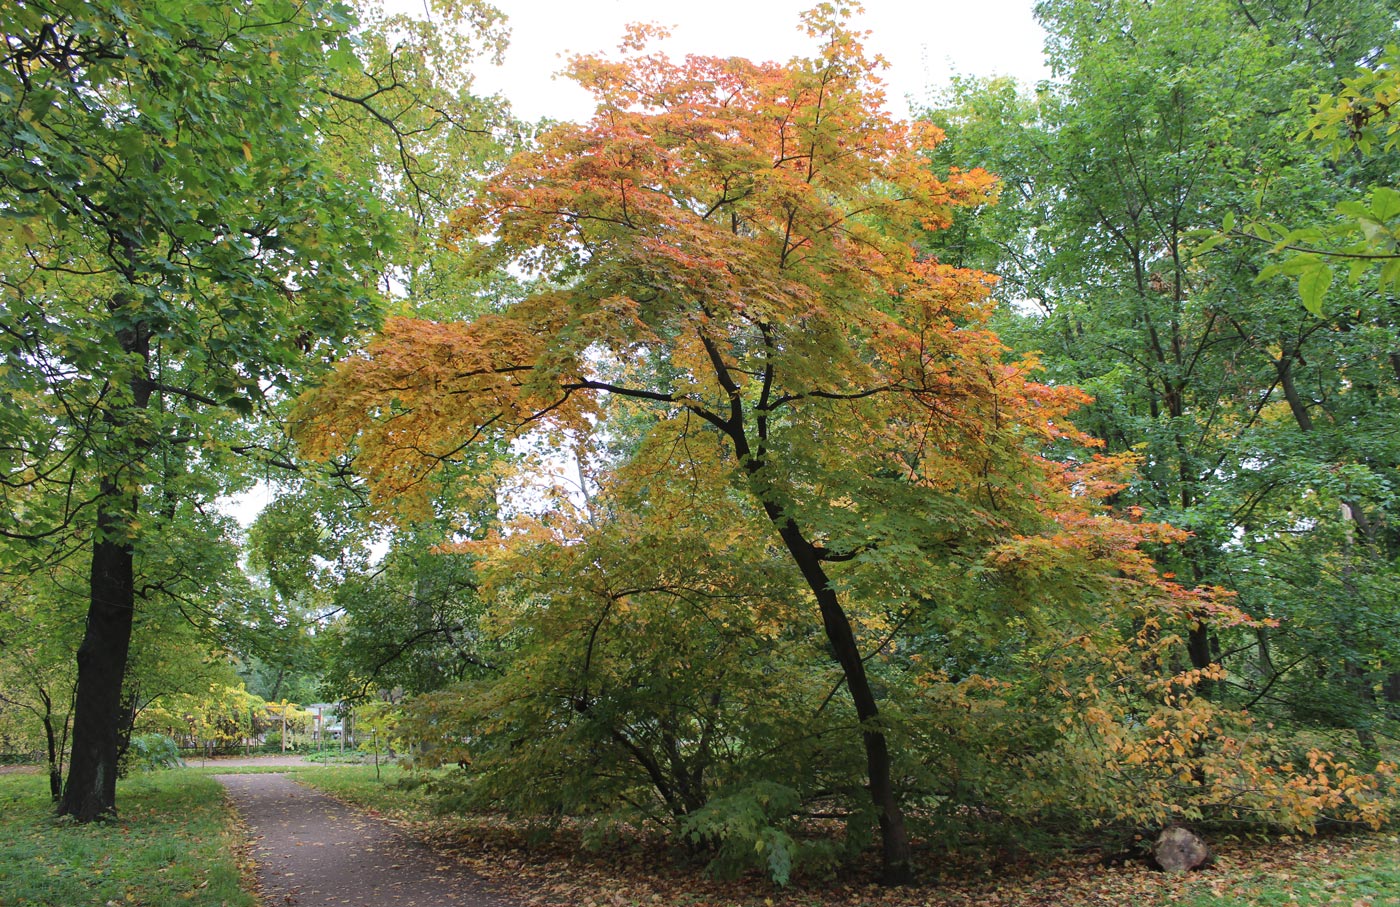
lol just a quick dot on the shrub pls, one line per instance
(151, 752)
(753, 828)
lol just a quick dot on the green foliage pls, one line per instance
(151, 752)
(200, 201)
(1262, 427)
(1361, 235)
(410, 624)
(750, 828)
(1364, 236)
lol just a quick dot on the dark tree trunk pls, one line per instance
(55, 756)
(91, 790)
(897, 859)
(897, 856)
(1198, 647)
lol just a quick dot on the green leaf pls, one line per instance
(1312, 286)
(1385, 203)
(1209, 243)
(1390, 274)
(1353, 209)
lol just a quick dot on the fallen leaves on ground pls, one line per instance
(557, 872)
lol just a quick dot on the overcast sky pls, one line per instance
(924, 41)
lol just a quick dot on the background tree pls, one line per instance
(1261, 425)
(186, 247)
(40, 625)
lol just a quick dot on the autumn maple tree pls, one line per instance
(727, 259)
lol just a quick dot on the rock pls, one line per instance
(1179, 849)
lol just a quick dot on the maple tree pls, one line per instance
(729, 279)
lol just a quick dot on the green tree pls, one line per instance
(1262, 427)
(39, 628)
(189, 237)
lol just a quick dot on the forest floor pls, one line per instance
(1338, 871)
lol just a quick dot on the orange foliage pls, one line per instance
(714, 212)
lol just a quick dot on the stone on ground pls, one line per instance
(1180, 849)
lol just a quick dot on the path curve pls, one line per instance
(314, 851)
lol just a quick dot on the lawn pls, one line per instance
(175, 843)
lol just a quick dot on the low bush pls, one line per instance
(151, 752)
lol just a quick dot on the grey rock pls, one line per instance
(1179, 849)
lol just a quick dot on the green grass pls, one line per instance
(212, 769)
(1358, 872)
(357, 784)
(175, 843)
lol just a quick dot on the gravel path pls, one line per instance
(314, 851)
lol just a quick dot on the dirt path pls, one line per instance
(314, 851)
(251, 761)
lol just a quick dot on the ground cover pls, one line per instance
(1338, 871)
(176, 842)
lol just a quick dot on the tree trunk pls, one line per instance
(1198, 647)
(897, 861)
(55, 757)
(91, 791)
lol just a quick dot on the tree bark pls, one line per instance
(91, 790)
(55, 756)
(897, 860)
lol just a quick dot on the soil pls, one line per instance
(311, 850)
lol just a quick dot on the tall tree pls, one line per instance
(727, 255)
(184, 247)
(1260, 423)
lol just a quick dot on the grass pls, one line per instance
(1340, 872)
(215, 769)
(175, 843)
(357, 784)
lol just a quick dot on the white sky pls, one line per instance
(924, 41)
